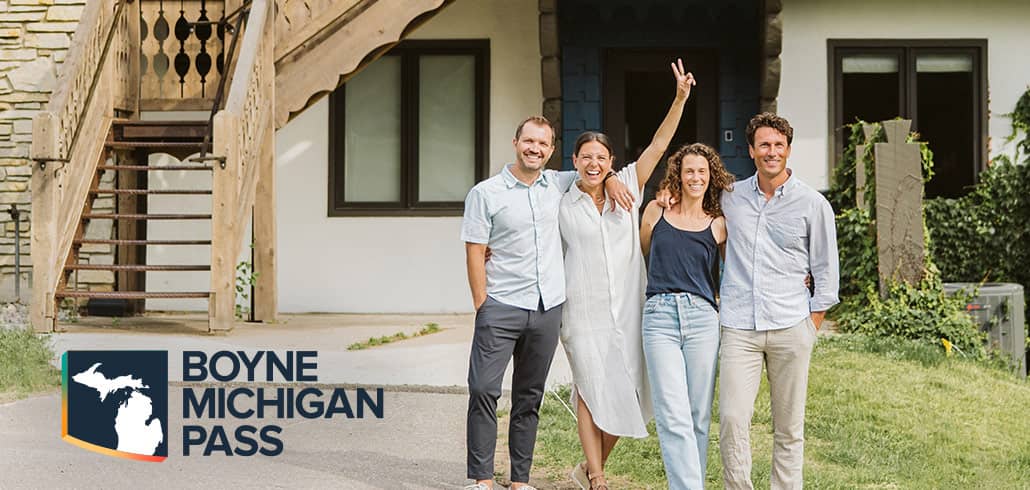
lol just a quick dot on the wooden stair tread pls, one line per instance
(137, 267)
(152, 191)
(155, 144)
(144, 216)
(130, 130)
(153, 168)
(132, 294)
(151, 122)
(140, 242)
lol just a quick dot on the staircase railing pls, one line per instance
(68, 142)
(243, 136)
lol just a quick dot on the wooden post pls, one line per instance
(224, 235)
(45, 195)
(266, 297)
(265, 293)
(899, 204)
(132, 43)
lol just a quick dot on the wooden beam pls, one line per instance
(266, 305)
(43, 222)
(300, 20)
(222, 312)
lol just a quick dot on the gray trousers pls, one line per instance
(504, 332)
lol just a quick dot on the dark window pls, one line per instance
(408, 134)
(939, 84)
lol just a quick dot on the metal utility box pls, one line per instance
(998, 309)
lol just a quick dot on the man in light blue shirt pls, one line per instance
(778, 231)
(517, 294)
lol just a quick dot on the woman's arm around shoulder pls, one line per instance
(651, 215)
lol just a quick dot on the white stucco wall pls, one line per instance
(388, 265)
(807, 24)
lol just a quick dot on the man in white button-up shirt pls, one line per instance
(517, 294)
(778, 231)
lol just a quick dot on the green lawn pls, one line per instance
(25, 364)
(881, 414)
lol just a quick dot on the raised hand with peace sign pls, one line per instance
(684, 80)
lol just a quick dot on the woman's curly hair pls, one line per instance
(719, 179)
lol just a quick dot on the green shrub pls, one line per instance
(856, 242)
(985, 235)
(917, 312)
(25, 363)
(920, 313)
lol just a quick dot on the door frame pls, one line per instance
(617, 60)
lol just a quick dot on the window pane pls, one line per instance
(870, 63)
(446, 127)
(871, 89)
(944, 63)
(372, 139)
(945, 112)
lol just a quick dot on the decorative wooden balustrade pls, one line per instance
(181, 52)
(68, 143)
(244, 136)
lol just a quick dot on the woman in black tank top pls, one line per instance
(680, 327)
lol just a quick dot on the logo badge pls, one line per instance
(116, 402)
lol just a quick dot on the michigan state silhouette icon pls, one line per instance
(116, 402)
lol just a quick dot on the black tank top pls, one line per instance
(682, 261)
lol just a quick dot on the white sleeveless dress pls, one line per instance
(605, 280)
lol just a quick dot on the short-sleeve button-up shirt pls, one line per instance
(519, 223)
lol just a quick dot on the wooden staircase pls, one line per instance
(133, 141)
(257, 64)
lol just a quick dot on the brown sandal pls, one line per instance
(598, 482)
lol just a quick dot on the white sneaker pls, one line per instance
(478, 486)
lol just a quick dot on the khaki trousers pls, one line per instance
(786, 354)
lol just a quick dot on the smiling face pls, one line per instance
(593, 161)
(694, 175)
(533, 147)
(770, 152)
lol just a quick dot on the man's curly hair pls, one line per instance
(719, 179)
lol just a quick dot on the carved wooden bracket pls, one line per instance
(324, 43)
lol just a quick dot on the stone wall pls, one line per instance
(34, 39)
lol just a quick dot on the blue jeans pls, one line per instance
(681, 345)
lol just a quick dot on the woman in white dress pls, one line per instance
(605, 279)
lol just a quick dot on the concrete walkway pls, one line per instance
(439, 360)
(418, 444)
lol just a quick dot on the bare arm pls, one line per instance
(719, 232)
(475, 262)
(647, 222)
(663, 137)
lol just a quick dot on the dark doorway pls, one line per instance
(638, 87)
